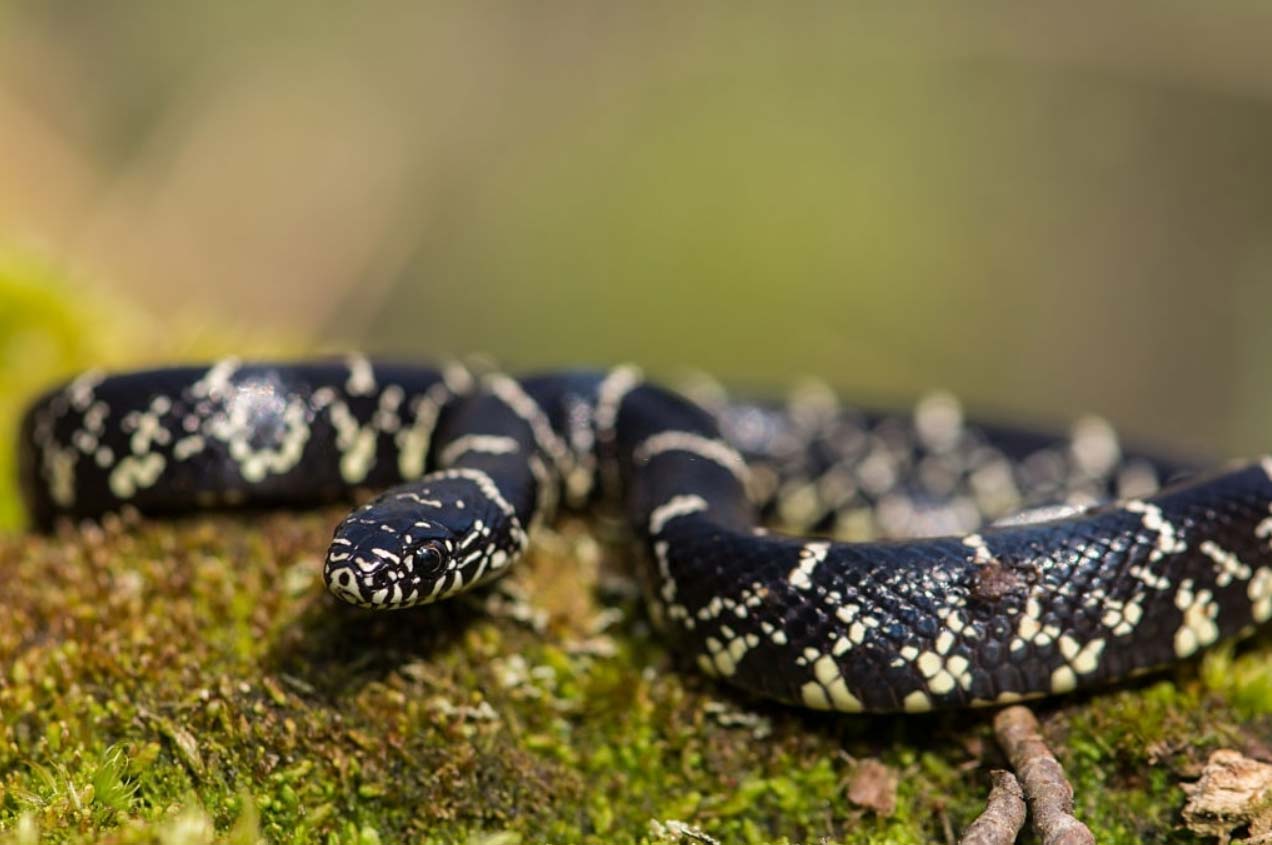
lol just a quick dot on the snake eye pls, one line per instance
(430, 558)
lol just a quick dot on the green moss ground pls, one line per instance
(191, 681)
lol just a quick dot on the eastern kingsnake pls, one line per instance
(1060, 597)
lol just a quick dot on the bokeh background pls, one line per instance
(1049, 209)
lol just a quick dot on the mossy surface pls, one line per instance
(190, 681)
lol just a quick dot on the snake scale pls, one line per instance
(941, 599)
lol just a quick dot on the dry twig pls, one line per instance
(1047, 789)
(1004, 814)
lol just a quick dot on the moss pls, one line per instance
(190, 682)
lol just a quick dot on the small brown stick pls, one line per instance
(1004, 814)
(1048, 791)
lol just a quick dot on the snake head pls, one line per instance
(424, 541)
(386, 556)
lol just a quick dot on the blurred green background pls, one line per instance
(1047, 209)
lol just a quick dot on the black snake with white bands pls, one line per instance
(942, 600)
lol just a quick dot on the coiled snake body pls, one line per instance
(1119, 577)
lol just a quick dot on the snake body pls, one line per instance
(944, 599)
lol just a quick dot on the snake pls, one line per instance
(815, 554)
